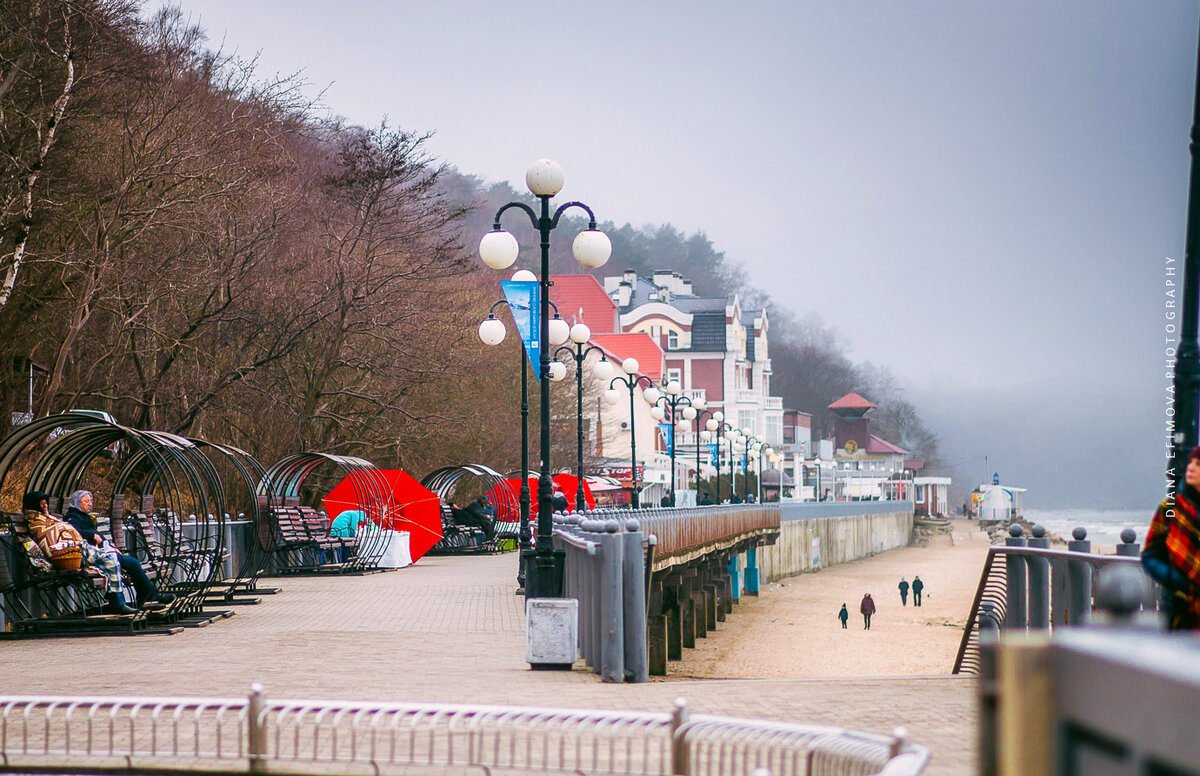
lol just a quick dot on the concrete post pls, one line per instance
(681, 756)
(752, 571)
(1079, 575)
(657, 623)
(1014, 569)
(1129, 546)
(735, 578)
(673, 603)
(612, 631)
(1039, 581)
(637, 666)
(257, 735)
(687, 611)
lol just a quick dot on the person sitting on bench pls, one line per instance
(50, 532)
(78, 514)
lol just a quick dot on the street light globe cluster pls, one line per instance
(499, 250)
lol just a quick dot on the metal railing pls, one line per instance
(605, 571)
(1035, 587)
(254, 735)
(681, 531)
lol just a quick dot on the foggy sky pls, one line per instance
(980, 197)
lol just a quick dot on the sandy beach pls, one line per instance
(791, 629)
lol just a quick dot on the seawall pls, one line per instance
(813, 535)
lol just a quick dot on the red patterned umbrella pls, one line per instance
(393, 500)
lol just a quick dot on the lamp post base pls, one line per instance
(544, 573)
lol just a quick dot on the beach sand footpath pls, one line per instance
(791, 630)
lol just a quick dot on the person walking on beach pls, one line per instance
(917, 587)
(903, 592)
(1172, 553)
(844, 616)
(867, 607)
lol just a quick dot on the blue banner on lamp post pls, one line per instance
(524, 300)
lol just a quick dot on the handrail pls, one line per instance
(114, 735)
(992, 589)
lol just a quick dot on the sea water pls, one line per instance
(1103, 526)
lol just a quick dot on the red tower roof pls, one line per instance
(852, 401)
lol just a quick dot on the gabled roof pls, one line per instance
(582, 298)
(851, 401)
(877, 445)
(639, 345)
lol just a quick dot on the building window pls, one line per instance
(675, 374)
(672, 340)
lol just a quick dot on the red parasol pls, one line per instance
(392, 500)
(567, 483)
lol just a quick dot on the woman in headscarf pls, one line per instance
(1172, 553)
(48, 531)
(79, 515)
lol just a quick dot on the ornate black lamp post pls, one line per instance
(602, 370)
(492, 332)
(667, 401)
(499, 250)
(1187, 361)
(702, 436)
(719, 429)
(748, 444)
(630, 367)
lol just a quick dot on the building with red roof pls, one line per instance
(581, 298)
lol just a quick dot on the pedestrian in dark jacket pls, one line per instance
(867, 607)
(903, 592)
(917, 587)
(844, 616)
(1172, 553)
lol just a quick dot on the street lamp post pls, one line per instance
(630, 367)
(580, 334)
(748, 441)
(492, 332)
(669, 400)
(499, 249)
(718, 428)
(702, 436)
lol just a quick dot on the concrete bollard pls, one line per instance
(1015, 571)
(1121, 592)
(1039, 581)
(612, 631)
(1129, 546)
(633, 587)
(1079, 574)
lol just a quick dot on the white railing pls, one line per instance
(101, 735)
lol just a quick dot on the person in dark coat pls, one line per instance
(917, 587)
(558, 501)
(844, 616)
(867, 607)
(78, 514)
(706, 500)
(668, 500)
(903, 592)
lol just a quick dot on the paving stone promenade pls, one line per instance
(449, 629)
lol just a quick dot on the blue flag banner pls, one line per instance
(712, 455)
(664, 433)
(524, 301)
